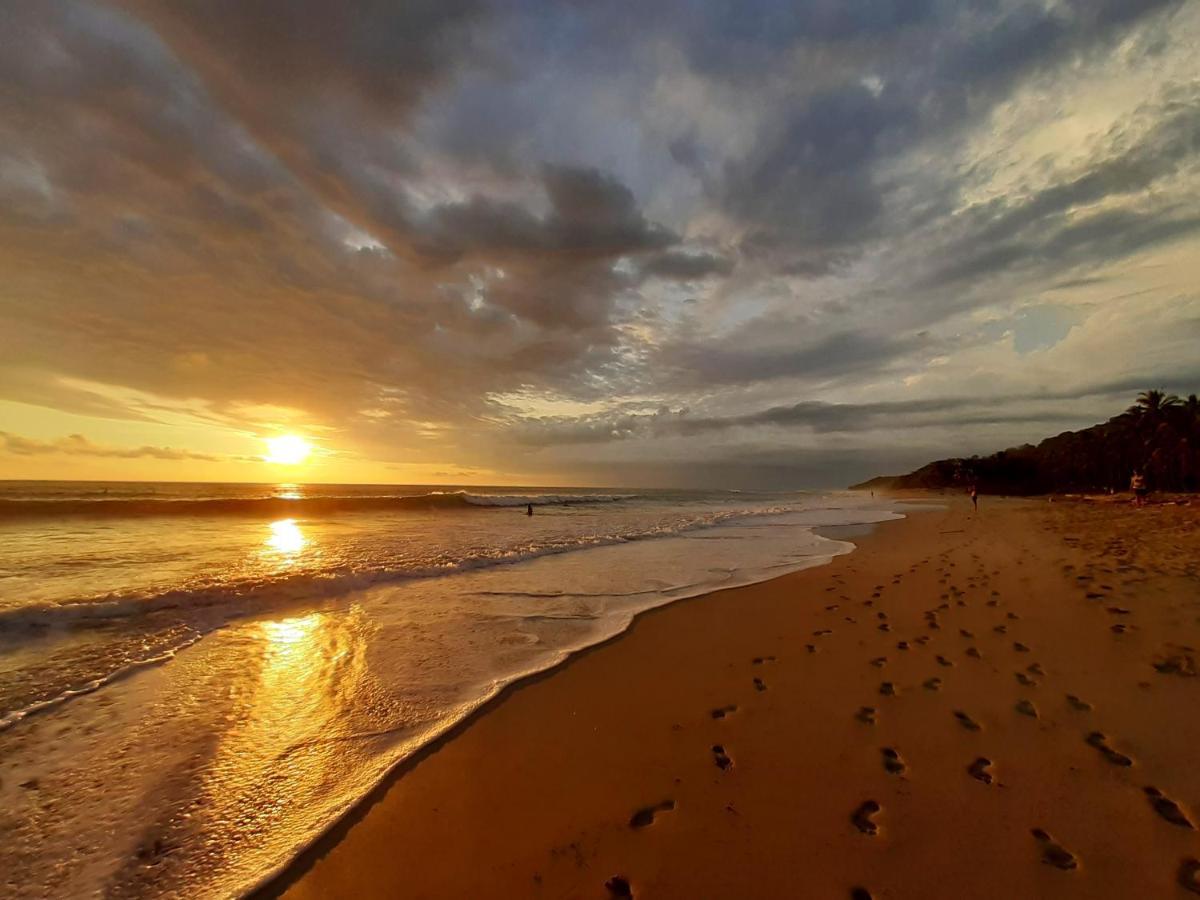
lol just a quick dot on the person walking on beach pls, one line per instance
(1137, 484)
(975, 497)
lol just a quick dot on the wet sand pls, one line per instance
(992, 706)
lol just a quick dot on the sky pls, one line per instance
(735, 243)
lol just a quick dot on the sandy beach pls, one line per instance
(992, 706)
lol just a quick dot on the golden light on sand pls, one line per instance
(287, 450)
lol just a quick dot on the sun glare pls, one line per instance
(287, 450)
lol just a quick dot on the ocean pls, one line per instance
(198, 680)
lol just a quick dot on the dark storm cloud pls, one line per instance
(742, 358)
(676, 266)
(813, 180)
(821, 418)
(1040, 408)
(381, 52)
(592, 216)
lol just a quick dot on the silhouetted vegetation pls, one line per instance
(1159, 435)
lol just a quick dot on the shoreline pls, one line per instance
(562, 785)
(288, 874)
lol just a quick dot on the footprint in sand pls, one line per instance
(811, 648)
(1001, 629)
(645, 815)
(1019, 647)
(903, 645)
(1167, 808)
(979, 770)
(922, 640)
(721, 758)
(866, 715)
(1026, 708)
(965, 633)
(1118, 611)
(822, 632)
(863, 818)
(884, 626)
(1077, 704)
(892, 763)
(974, 653)
(1054, 853)
(932, 684)
(1024, 679)
(1012, 616)
(1035, 669)
(942, 661)
(993, 603)
(887, 689)
(759, 684)
(760, 660)
(619, 888)
(966, 721)
(722, 711)
(860, 893)
(1100, 742)
(1188, 876)
(879, 662)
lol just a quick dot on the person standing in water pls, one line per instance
(529, 509)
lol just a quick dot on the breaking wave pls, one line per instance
(280, 506)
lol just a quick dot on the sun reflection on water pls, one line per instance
(286, 538)
(291, 631)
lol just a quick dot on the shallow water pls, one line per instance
(189, 697)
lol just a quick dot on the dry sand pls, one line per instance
(1046, 647)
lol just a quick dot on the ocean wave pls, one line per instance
(275, 507)
(255, 594)
(12, 717)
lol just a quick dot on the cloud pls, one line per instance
(78, 445)
(804, 224)
(679, 266)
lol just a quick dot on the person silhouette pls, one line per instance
(529, 509)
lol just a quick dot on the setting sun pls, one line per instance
(287, 450)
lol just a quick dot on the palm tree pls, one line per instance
(1154, 403)
(1192, 406)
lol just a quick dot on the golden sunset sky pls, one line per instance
(682, 243)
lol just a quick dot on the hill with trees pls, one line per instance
(1159, 435)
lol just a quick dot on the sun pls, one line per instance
(287, 450)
